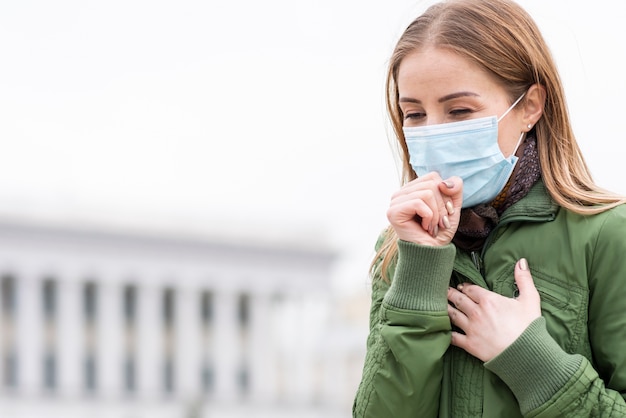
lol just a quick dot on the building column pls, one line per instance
(70, 341)
(261, 350)
(149, 342)
(110, 328)
(301, 369)
(334, 380)
(227, 346)
(29, 333)
(188, 343)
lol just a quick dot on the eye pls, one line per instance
(460, 112)
(414, 116)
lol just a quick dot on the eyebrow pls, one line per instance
(442, 99)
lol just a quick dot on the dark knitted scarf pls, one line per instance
(477, 222)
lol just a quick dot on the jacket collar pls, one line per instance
(537, 203)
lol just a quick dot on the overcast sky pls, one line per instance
(255, 120)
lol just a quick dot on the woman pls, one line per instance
(499, 289)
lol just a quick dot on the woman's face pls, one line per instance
(438, 86)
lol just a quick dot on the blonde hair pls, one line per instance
(503, 39)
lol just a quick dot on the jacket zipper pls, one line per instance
(478, 261)
(477, 257)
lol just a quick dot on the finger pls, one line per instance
(452, 192)
(524, 282)
(452, 188)
(458, 339)
(457, 317)
(473, 292)
(407, 211)
(427, 204)
(426, 192)
(461, 302)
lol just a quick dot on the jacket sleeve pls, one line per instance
(409, 334)
(570, 385)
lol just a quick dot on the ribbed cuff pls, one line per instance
(534, 367)
(422, 277)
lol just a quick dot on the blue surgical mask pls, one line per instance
(468, 149)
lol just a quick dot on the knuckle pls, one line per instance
(427, 194)
(487, 304)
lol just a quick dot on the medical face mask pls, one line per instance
(468, 149)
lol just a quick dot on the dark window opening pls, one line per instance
(90, 373)
(244, 310)
(130, 304)
(207, 308)
(243, 379)
(9, 377)
(50, 371)
(8, 295)
(168, 376)
(130, 374)
(208, 379)
(168, 307)
(49, 299)
(90, 302)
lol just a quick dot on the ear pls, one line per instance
(534, 103)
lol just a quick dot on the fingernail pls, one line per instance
(523, 264)
(460, 287)
(435, 231)
(446, 222)
(449, 184)
(450, 208)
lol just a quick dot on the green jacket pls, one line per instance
(571, 362)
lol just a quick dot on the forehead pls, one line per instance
(440, 71)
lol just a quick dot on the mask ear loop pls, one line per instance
(512, 107)
(519, 141)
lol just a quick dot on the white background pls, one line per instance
(250, 120)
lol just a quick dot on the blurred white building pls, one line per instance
(120, 325)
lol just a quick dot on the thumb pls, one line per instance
(524, 282)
